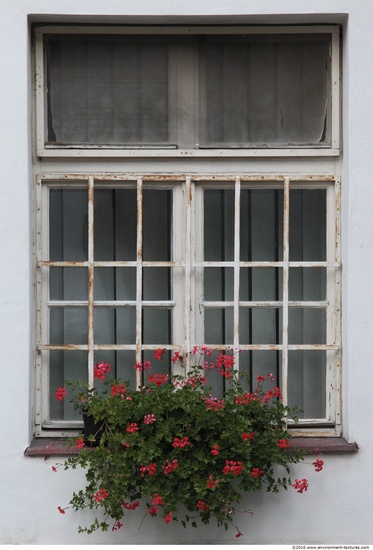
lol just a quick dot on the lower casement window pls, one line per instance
(129, 264)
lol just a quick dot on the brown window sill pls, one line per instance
(51, 446)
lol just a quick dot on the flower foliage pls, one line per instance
(175, 446)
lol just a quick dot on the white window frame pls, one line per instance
(98, 151)
(185, 258)
(317, 167)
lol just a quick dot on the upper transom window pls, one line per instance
(196, 89)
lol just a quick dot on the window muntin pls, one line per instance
(202, 282)
(193, 94)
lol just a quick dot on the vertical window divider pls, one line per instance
(40, 398)
(188, 252)
(39, 255)
(90, 280)
(285, 298)
(236, 285)
(337, 299)
(139, 279)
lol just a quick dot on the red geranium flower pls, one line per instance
(158, 354)
(132, 428)
(180, 442)
(300, 485)
(215, 450)
(246, 436)
(79, 443)
(100, 370)
(60, 393)
(100, 495)
(318, 465)
(256, 472)
(201, 505)
(168, 518)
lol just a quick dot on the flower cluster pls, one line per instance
(119, 389)
(100, 370)
(231, 466)
(60, 393)
(157, 379)
(181, 443)
(214, 404)
(247, 437)
(140, 366)
(100, 495)
(215, 450)
(300, 485)
(150, 469)
(319, 464)
(131, 505)
(174, 440)
(132, 428)
(170, 467)
(149, 419)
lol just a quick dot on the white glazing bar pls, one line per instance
(335, 86)
(40, 397)
(40, 91)
(285, 291)
(258, 178)
(64, 347)
(139, 280)
(188, 259)
(39, 255)
(46, 263)
(337, 314)
(236, 286)
(90, 280)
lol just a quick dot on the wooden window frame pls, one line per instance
(186, 228)
(100, 151)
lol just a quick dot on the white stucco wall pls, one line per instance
(337, 507)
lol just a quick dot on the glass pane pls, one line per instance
(107, 89)
(68, 283)
(260, 284)
(307, 284)
(161, 366)
(115, 283)
(157, 225)
(65, 365)
(307, 326)
(261, 225)
(219, 326)
(156, 326)
(307, 225)
(214, 379)
(68, 225)
(68, 325)
(121, 364)
(260, 363)
(307, 382)
(156, 283)
(115, 224)
(218, 284)
(218, 225)
(261, 90)
(260, 326)
(115, 325)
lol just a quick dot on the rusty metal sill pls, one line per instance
(52, 446)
